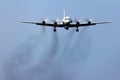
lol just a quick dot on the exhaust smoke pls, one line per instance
(50, 56)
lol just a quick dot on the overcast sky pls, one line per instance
(30, 52)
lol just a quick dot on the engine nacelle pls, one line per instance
(89, 22)
(43, 22)
(77, 23)
(55, 23)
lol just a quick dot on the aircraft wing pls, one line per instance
(70, 25)
(29, 22)
(103, 22)
(45, 24)
(87, 24)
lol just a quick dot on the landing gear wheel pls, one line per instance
(54, 30)
(67, 28)
(77, 30)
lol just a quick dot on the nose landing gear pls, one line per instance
(67, 28)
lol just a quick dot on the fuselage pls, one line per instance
(66, 20)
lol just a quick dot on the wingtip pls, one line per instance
(103, 22)
(109, 22)
(22, 22)
(29, 22)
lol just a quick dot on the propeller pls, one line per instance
(56, 20)
(43, 20)
(89, 20)
(76, 20)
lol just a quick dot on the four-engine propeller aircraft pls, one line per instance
(66, 23)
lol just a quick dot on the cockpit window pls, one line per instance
(67, 18)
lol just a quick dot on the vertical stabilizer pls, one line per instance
(64, 13)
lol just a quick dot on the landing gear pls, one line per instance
(54, 29)
(67, 28)
(77, 30)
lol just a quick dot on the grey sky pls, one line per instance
(100, 44)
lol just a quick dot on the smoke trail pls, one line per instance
(22, 56)
(54, 43)
(74, 53)
(50, 56)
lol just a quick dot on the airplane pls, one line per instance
(66, 23)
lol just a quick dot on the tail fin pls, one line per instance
(64, 13)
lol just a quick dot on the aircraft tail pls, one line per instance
(64, 13)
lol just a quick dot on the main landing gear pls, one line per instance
(77, 30)
(54, 29)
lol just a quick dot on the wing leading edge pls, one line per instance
(69, 25)
(46, 24)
